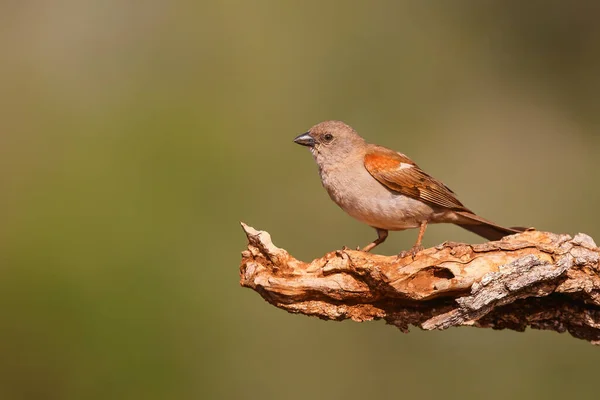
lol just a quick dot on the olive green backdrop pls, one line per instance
(134, 136)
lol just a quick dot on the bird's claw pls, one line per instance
(412, 252)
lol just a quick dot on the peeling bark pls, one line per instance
(537, 279)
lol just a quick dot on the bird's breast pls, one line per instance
(367, 200)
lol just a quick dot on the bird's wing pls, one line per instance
(400, 174)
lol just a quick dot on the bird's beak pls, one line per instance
(305, 140)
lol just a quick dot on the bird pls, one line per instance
(385, 189)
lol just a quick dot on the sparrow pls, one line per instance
(385, 189)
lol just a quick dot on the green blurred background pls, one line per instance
(134, 136)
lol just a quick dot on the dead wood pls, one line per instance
(537, 279)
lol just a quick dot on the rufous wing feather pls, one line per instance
(399, 173)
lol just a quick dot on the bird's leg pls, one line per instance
(381, 236)
(417, 247)
(420, 237)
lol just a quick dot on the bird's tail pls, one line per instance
(484, 228)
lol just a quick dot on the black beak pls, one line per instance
(305, 140)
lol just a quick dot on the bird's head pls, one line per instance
(332, 142)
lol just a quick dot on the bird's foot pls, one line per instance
(345, 248)
(412, 252)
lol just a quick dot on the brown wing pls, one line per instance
(400, 174)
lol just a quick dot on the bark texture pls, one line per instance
(537, 279)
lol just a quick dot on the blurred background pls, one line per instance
(134, 136)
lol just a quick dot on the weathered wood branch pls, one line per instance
(537, 279)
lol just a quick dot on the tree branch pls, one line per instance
(537, 279)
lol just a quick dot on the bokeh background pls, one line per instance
(134, 136)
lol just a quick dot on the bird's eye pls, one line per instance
(328, 137)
